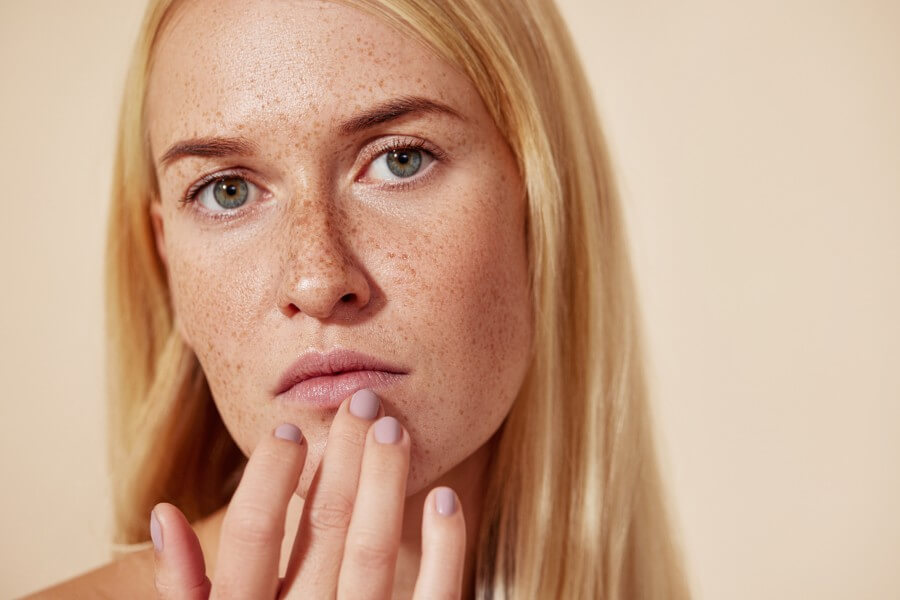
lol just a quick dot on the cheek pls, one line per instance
(214, 295)
(210, 291)
(472, 304)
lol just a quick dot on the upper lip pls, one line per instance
(317, 364)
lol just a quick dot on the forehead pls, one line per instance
(302, 65)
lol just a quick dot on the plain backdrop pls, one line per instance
(757, 144)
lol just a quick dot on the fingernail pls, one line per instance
(156, 532)
(387, 430)
(364, 404)
(445, 501)
(289, 432)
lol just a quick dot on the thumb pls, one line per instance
(178, 559)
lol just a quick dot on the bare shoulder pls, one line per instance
(128, 577)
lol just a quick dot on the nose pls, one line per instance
(321, 277)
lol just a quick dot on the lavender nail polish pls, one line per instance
(445, 501)
(289, 432)
(156, 532)
(388, 430)
(364, 404)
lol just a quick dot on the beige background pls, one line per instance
(758, 145)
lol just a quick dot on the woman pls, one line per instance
(391, 226)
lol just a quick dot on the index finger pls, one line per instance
(250, 545)
(316, 558)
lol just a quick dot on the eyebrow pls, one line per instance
(394, 109)
(384, 112)
(208, 146)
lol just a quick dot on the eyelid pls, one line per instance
(195, 188)
(191, 198)
(396, 143)
(402, 143)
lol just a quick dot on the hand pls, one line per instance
(349, 533)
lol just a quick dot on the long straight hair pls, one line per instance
(575, 506)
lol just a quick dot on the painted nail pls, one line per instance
(445, 501)
(289, 432)
(387, 430)
(364, 404)
(156, 532)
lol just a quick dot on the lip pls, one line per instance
(324, 380)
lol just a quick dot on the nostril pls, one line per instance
(346, 298)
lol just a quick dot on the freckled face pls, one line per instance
(313, 238)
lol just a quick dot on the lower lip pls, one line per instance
(329, 391)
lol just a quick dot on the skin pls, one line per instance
(330, 253)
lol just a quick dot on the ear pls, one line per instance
(156, 219)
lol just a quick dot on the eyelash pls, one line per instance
(409, 144)
(389, 146)
(204, 181)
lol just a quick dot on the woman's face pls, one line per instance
(312, 235)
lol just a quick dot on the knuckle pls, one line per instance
(330, 512)
(386, 469)
(172, 589)
(351, 438)
(163, 586)
(253, 526)
(201, 587)
(274, 458)
(371, 551)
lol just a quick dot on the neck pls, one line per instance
(468, 479)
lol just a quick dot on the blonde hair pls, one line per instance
(575, 506)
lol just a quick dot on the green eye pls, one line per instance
(404, 162)
(230, 192)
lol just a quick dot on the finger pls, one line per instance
(250, 542)
(316, 557)
(370, 552)
(178, 560)
(443, 547)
